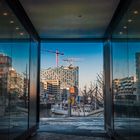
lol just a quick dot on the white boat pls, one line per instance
(75, 111)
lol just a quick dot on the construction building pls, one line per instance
(50, 91)
(5, 65)
(67, 77)
(125, 85)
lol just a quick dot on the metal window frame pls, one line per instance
(123, 5)
(20, 13)
(108, 66)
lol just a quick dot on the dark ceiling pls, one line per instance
(70, 18)
(10, 27)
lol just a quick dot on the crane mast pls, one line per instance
(57, 53)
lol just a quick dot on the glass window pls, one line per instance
(126, 71)
(18, 76)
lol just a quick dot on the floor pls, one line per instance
(72, 125)
(79, 128)
(73, 128)
(54, 136)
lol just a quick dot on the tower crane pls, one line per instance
(71, 60)
(57, 53)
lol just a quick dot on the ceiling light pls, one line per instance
(120, 33)
(11, 21)
(21, 33)
(17, 28)
(5, 14)
(125, 27)
(129, 20)
(136, 12)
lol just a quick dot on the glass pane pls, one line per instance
(126, 85)
(5, 65)
(19, 93)
(14, 75)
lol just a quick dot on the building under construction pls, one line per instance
(68, 76)
(5, 64)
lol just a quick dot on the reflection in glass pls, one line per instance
(126, 73)
(14, 75)
(126, 86)
(33, 83)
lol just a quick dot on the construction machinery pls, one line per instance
(57, 53)
(70, 61)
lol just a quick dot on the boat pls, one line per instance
(83, 110)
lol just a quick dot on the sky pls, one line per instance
(89, 58)
(19, 52)
(124, 62)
